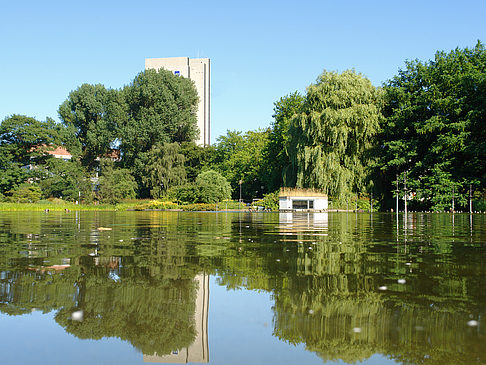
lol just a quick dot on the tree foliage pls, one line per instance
(23, 142)
(330, 138)
(275, 152)
(434, 130)
(239, 157)
(161, 109)
(115, 184)
(161, 168)
(94, 114)
(196, 158)
(68, 180)
(212, 187)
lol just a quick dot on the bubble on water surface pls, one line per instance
(401, 281)
(472, 323)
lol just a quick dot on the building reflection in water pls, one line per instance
(303, 221)
(198, 351)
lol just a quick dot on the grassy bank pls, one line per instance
(59, 205)
(40, 207)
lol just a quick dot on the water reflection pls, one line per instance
(198, 350)
(347, 286)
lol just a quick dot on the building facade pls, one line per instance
(199, 71)
(302, 200)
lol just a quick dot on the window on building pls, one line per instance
(302, 204)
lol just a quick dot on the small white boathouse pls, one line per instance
(293, 199)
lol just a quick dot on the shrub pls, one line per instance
(212, 187)
(116, 185)
(187, 193)
(25, 193)
(199, 207)
(156, 204)
(269, 201)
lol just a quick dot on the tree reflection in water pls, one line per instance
(137, 283)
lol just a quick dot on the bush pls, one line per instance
(156, 204)
(116, 185)
(270, 201)
(212, 187)
(363, 204)
(187, 193)
(200, 207)
(25, 193)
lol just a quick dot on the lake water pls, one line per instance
(242, 288)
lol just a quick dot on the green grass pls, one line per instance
(60, 205)
(39, 207)
(156, 204)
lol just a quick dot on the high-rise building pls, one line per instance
(198, 70)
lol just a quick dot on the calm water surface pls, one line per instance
(240, 288)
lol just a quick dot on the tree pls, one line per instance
(275, 153)
(330, 138)
(161, 109)
(93, 113)
(68, 180)
(25, 193)
(159, 169)
(196, 158)
(434, 129)
(240, 157)
(115, 184)
(212, 187)
(23, 142)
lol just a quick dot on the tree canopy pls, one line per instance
(161, 108)
(275, 153)
(434, 128)
(23, 141)
(94, 113)
(329, 139)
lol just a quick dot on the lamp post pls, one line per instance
(405, 191)
(453, 199)
(397, 191)
(470, 198)
(240, 182)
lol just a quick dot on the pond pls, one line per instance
(242, 288)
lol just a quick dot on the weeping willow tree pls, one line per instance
(160, 168)
(330, 139)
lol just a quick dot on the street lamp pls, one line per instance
(240, 182)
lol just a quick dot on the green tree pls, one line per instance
(330, 139)
(434, 129)
(159, 169)
(196, 158)
(115, 184)
(25, 193)
(275, 154)
(212, 187)
(23, 142)
(161, 109)
(240, 157)
(93, 113)
(68, 180)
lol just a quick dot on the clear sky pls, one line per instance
(259, 50)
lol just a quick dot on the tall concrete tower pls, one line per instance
(198, 70)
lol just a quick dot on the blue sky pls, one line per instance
(259, 50)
